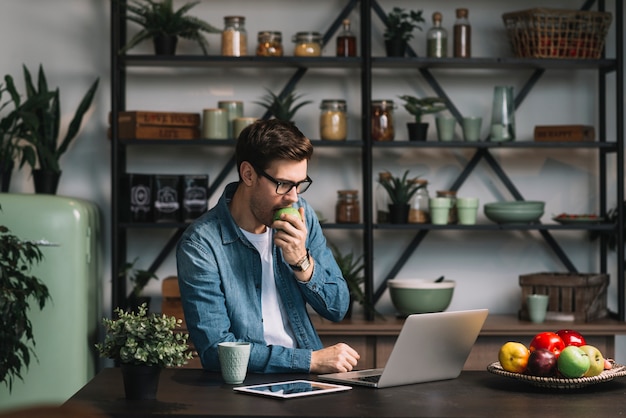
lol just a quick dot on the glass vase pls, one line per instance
(503, 114)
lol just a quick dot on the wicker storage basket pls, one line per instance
(554, 33)
(573, 296)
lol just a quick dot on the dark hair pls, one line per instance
(268, 140)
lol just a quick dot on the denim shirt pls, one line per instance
(219, 273)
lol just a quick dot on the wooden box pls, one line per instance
(573, 296)
(564, 133)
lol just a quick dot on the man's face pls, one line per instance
(264, 200)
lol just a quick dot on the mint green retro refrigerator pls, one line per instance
(65, 331)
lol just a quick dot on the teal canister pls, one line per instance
(235, 110)
(215, 123)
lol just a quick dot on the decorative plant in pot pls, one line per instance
(399, 27)
(143, 344)
(418, 108)
(351, 268)
(282, 107)
(161, 23)
(18, 289)
(139, 278)
(40, 122)
(400, 190)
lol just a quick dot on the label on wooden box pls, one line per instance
(564, 133)
(130, 131)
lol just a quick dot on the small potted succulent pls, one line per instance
(418, 108)
(143, 344)
(282, 107)
(400, 190)
(161, 23)
(399, 27)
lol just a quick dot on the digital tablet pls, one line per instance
(292, 388)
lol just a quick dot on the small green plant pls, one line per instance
(400, 24)
(138, 277)
(158, 18)
(352, 268)
(420, 107)
(140, 338)
(18, 289)
(400, 189)
(282, 107)
(41, 120)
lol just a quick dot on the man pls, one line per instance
(245, 277)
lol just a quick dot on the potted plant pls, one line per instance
(164, 25)
(18, 289)
(418, 108)
(10, 150)
(400, 190)
(40, 120)
(399, 27)
(143, 344)
(139, 278)
(351, 269)
(282, 107)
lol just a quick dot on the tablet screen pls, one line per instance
(292, 388)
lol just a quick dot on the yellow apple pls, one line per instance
(513, 357)
(596, 360)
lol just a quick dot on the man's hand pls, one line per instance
(336, 358)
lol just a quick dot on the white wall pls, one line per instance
(71, 39)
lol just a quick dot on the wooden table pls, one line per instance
(192, 393)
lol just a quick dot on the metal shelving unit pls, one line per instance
(367, 63)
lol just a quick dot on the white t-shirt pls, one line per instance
(276, 328)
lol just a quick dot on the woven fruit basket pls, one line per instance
(556, 33)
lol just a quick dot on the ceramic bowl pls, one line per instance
(514, 212)
(411, 296)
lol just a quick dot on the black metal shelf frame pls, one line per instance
(367, 64)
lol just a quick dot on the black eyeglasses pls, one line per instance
(284, 187)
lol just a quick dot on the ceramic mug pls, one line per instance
(467, 209)
(537, 307)
(471, 128)
(215, 123)
(445, 128)
(234, 357)
(439, 209)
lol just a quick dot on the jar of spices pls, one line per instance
(347, 210)
(381, 116)
(382, 198)
(333, 120)
(452, 214)
(270, 44)
(308, 44)
(419, 212)
(234, 37)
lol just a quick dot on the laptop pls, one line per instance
(430, 347)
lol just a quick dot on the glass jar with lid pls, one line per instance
(347, 210)
(420, 212)
(270, 44)
(234, 37)
(333, 120)
(452, 214)
(308, 44)
(381, 117)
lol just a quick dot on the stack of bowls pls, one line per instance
(514, 212)
(411, 296)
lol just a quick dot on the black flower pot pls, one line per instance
(165, 44)
(46, 181)
(399, 214)
(417, 131)
(395, 47)
(140, 382)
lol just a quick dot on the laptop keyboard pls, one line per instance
(372, 379)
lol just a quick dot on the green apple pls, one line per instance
(289, 211)
(573, 362)
(595, 358)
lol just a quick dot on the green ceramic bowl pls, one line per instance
(514, 212)
(412, 296)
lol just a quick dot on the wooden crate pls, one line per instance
(573, 296)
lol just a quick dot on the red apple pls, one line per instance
(549, 341)
(541, 362)
(571, 337)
